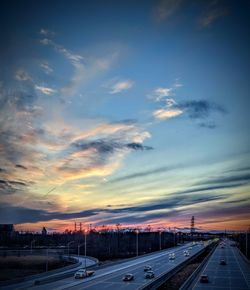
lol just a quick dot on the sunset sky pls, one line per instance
(130, 112)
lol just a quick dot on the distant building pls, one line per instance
(6, 230)
(44, 231)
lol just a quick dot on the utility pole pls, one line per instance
(31, 244)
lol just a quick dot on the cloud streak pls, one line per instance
(84, 68)
(45, 90)
(165, 9)
(120, 86)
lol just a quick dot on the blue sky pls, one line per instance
(131, 112)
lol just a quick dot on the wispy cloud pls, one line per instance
(164, 114)
(142, 174)
(19, 214)
(164, 93)
(228, 179)
(195, 109)
(84, 68)
(166, 8)
(88, 155)
(22, 75)
(160, 93)
(212, 13)
(46, 67)
(45, 90)
(47, 32)
(170, 108)
(121, 86)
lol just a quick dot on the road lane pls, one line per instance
(235, 275)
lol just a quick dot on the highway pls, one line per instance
(110, 277)
(234, 275)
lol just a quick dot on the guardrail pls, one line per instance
(52, 275)
(189, 281)
(40, 275)
(59, 276)
(243, 256)
(157, 282)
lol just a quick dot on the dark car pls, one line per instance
(147, 268)
(223, 262)
(149, 275)
(128, 277)
(204, 279)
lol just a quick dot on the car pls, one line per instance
(186, 254)
(223, 262)
(190, 248)
(204, 278)
(149, 275)
(82, 273)
(171, 256)
(128, 277)
(147, 268)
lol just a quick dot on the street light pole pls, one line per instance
(160, 240)
(79, 246)
(47, 257)
(246, 245)
(85, 247)
(32, 242)
(68, 246)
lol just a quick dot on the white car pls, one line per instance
(171, 256)
(187, 254)
(82, 273)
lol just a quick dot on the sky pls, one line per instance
(125, 112)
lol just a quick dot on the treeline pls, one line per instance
(102, 245)
(243, 243)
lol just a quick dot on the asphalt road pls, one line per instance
(110, 277)
(234, 275)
